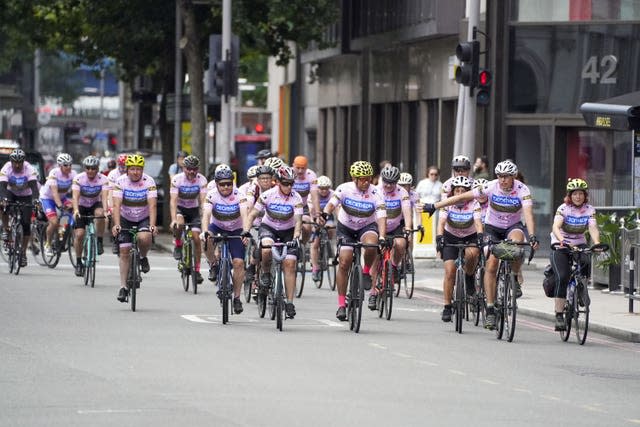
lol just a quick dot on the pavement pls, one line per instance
(609, 310)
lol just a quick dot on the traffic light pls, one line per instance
(219, 77)
(483, 96)
(469, 55)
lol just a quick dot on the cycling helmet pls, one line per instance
(90, 162)
(17, 155)
(134, 160)
(264, 170)
(461, 162)
(252, 172)
(324, 182)
(405, 179)
(506, 167)
(285, 173)
(461, 181)
(263, 154)
(191, 162)
(223, 173)
(222, 166)
(479, 182)
(360, 168)
(390, 174)
(275, 163)
(576, 184)
(122, 159)
(64, 159)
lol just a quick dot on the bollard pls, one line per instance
(632, 256)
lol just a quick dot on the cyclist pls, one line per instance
(399, 217)
(406, 182)
(222, 166)
(306, 184)
(112, 178)
(251, 180)
(282, 207)
(324, 195)
(509, 200)
(573, 218)
(362, 218)
(460, 166)
(55, 194)
(458, 223)
(187, 193)
(225, 211)
(89, 197)
(19, 183)
(134, 205)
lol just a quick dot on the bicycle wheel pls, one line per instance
(86, 257)
(381, 289)
(247, 265)
(459, 303)
(301, 270)
(581, 294)
(408, 270)
(279, 303)
(478, 303)
(568, 316)
(271, 296)
(51, 259)
(389, 291)
(356, 298)
(500, 302)
(192, 262)
(322, 262)
(262, 302)
(185, 266)
(134, 278)
(223, 289)
(69, 240)
(12, 257)
(35, 245)
(512, 307)
(331, 268)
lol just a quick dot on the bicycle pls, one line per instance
(276, 296)
(577, 301)
(355, 291)
(459, 303)
(325, 257)
(477, 304)
(38, 223)
(13, 245)
(302, 256)
(385, 281)
(506, 307)
(134, 275)
(61, 241)
(407, 269)
(89, 251)
(186, 265)
(224, 279)
(250, 282)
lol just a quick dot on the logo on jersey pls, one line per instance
(505, 204)
(358, 208)
(224, 212)
(460, 220)
(134, 198)
(279, 211)
(303, 188)
(575, 224)
(188, 192)
(90, 191)
(394, 208)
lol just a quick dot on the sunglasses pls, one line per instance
(286, 183)
(66, 164)
(91, 168)
(388, 182)
(225, 184)
(460, 169)
(192, 169)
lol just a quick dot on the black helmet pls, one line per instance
(191, 162)
(461, 162)
(264, 170)
(263, 154)
(17, 155)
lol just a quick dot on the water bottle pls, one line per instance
(571, 288)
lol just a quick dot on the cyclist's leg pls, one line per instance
(561, 265)
(447, 283)
(471, 256)
(26, 229)
(517, 234)
(369, 235)
(315, 252)
(193, 217)
(345, 257)
(177, 234)
(79, 231)
(124, 239)
(100, 222)
(49, 208)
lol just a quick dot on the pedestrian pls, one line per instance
(178, 166)
(481, 168)
(429, 189)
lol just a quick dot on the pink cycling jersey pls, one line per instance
(395, 202)
(304, 185)
(135, 196)
(279, 209)
(61, 180)
(113, 176)
(505, 207)
(188, 191)
(225, 211)
(359, 208)
(18, 182)
(323, 200)
(460, 219)
(90, 189)
(575, 221)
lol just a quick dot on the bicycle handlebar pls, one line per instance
(597, 248)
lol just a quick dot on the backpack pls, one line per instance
(549, 282)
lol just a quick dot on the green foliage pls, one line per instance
(610, 226)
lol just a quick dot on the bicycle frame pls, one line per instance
(459, 305)
(279, 252)
(385, 281)
(15, 236)
(224, 280)
(134, 276)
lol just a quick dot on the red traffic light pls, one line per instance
(484, 78)
(259, 128)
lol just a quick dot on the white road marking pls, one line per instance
(403, 355)
(330, 323)
(426, 362)
(456, 372)
(484, 380)
(196, 318)
(376, 345)
(109, 411)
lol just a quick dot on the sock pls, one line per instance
(178, 243)
(342, 300)
(366, 269)
(490, 309)
(289, 301)
(197, 266)
(314, 268)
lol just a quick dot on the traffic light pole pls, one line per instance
(224, 137)
(470, 107)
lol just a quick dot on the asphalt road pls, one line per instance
(73, 355)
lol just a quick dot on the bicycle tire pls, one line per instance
(500, 306)
(409, 274)
(581, 329)
(478, 301)
(279, 295)
(301, 270)
(52, 260)
(16, 237)
(356, 301)
(247, 264)
(134, 271)
(568, 316)
(512, 308)
(223, 290)
(86, 256)
(192, 262)
(459, 302)
(246, 288)
(271, 296)
(35, 243)
(380, 299)
(389, 291)
(262, 303)
(185, 267)
(331, 269)
(69, 240)
(93, 259)
(11, 254)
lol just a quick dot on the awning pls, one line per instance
(617, 113)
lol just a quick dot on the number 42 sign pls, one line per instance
(602, 71)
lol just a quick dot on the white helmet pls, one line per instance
(479, 182)
(461, 162)
(252, 172)
(64, 159)
(461, 181)
(506, 167)
(405, 179)
(274, 162)
(324, 181)
(222, 166)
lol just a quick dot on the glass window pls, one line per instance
(575, 10)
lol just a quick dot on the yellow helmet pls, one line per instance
(134, 160)
(360, 168)
(576, 184)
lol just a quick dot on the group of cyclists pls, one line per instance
(287, 204)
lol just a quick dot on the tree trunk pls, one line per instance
(193, 55)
